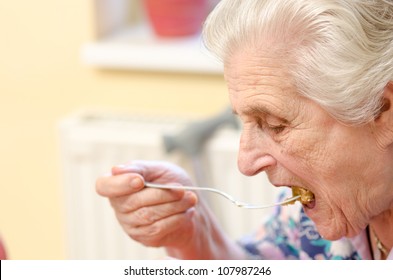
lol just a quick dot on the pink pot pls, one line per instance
(172, 18)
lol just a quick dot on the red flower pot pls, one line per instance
(172, 18)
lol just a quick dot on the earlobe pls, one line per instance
(387, 101)
(384, 120)
(385, 107)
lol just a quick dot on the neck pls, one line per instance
(382, 230)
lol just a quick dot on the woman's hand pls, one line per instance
(153, 217)
(162, 217)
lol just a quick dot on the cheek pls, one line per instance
(333, 164)
(309, 153)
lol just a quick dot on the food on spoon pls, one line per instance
(306, 196)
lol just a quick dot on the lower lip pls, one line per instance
(310, 205)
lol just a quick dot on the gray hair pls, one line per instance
(338, 52)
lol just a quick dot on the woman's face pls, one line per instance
(299, 144)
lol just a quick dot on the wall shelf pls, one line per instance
(135, 46)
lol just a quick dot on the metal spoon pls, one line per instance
(227, 196)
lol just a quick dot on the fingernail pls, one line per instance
(191, 197)
(136, 182)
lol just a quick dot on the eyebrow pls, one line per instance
(255, 110)
(258, 110)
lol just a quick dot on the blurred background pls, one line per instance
(61, 57)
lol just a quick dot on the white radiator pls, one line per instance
(91, 143)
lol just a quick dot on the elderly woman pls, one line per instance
(312, 82)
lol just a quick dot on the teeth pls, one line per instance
(306, 196)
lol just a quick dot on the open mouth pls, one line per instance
(307, 198)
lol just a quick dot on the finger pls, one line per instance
(149, 171)
(165, 232)
(119, 185)
(145, 197)
(130, 168)
(148, 215)
(155, 171)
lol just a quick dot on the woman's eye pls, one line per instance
(273, 128)
(276, 128)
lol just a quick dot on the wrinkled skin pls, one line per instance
(299, 144)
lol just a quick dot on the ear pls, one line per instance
(383, 123)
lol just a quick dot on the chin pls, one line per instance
(330, 234)
(329, 229)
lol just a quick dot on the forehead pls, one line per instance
(256, 77)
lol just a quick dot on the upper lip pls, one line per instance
(284, 185)
(290, 185)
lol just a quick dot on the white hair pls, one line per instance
(338, 52)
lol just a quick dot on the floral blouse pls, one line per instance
(290, 234)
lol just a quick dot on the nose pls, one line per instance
(254, 154)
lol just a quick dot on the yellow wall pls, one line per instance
(41, 81)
